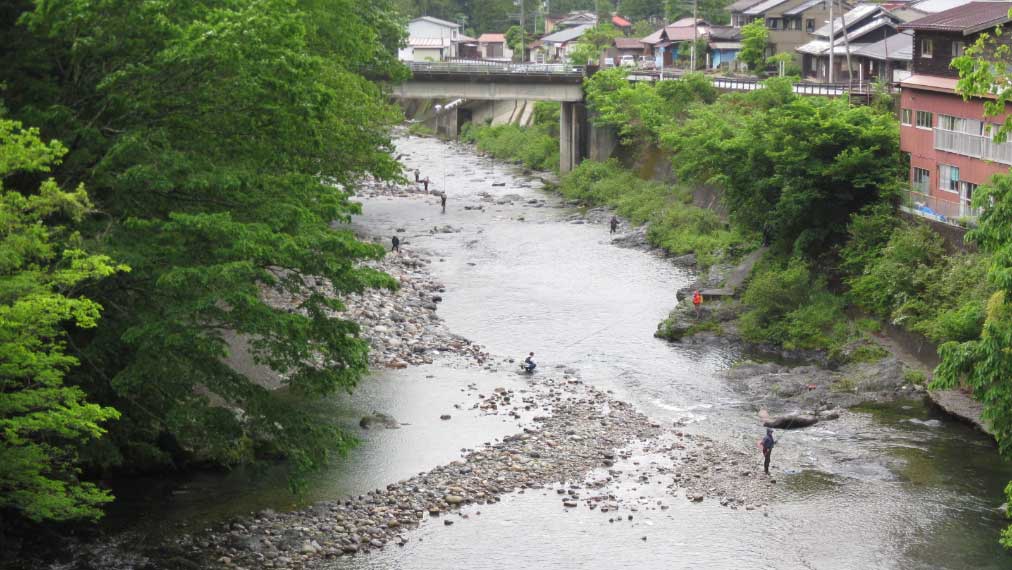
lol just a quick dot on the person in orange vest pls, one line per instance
(697, 301)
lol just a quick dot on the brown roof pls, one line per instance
(968, 18)
(492, 38)
(628, 43)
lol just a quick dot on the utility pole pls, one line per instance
(846, 43)
(695, 38)
(523, 34)
(832, 33)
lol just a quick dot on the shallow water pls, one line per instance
(892, 486)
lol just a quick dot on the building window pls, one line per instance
(922, 180)
(813, 63)
(927, 46)
(810, 25)
(958, 48)
(494, 50)
(966, 197)
(773, 23)
(794, 24)
(948, 178)
(925, 120)
(906, 117)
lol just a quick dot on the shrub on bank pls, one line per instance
(534, 147)
(675, 224)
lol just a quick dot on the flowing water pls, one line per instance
(889, 486)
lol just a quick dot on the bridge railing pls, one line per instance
(489, 67)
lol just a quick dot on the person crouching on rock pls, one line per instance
(529, 364)
(767, 447)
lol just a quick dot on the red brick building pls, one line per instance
(948, 139)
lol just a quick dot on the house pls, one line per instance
(431, 39)
(664, 44)
(791, 23)
(625, 46)
(859, 27)
(494, 47)
(948, 139)
(888, 60)
(737, 10)
(555, 46)
(569, 20)
(723, 45)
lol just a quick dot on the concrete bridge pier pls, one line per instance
(448, 122)
(572, 135)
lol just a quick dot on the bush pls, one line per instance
(791, 307)
(675, 224)
(533, 146)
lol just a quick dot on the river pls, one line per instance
(891, 486)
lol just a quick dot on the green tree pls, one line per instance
(985, 364)
(793, 168)
(44, 421)
(754, 38)
(592, 44)
(222, 142)
(517, 41)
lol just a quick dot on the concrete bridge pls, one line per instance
(494, 81)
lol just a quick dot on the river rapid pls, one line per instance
(888, 486)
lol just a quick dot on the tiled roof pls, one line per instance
(620, 21)
(684, 33)
(492, 38)
(742, 5)
(852, 17)
(804, 6)
(654, 37)
(725, 33)
(936, 6)
(760, 9)
(898, 47)
(969, 18)
(438, 21)
(628, 43)
(569, 34)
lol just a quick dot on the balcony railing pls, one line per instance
(954, 213)
(975, 146)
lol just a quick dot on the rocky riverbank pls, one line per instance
(575, 439)
(583, 444)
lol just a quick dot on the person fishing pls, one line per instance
(396, 244)
(529, 365)
(614, 224)
(417, 174)
(442, 200)
(766, 445)
(426, 183)
(697, 301)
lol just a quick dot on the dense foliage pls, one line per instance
(219, 142)
(792, 168)
(754, 39)
(43, 267)
(535, 147)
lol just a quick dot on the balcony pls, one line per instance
(952, 213)
(975, 146)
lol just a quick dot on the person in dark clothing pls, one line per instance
(426, 182)
(614, 224)
(529, 364)
(417, 173)
(396, 244)
(767, 447)
(442, 200)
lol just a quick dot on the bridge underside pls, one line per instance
(489, 91)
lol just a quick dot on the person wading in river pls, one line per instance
(426, 182)
(766, 445)
(417, 173)
(614, 224)
(396, 244)
(442, 200)
(697, 301)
